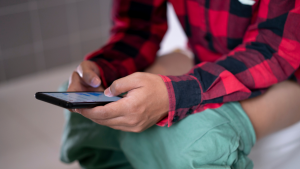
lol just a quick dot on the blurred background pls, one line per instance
(41, 43)
(38, 35)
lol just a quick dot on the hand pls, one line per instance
(145, 104)
(85, 78)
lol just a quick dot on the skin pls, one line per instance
(147, 100)
(274, 110)
(139, 110)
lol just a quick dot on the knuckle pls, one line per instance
(134, 108)
(114, 86)
(117, 84)
(138, 75)
(104, 115)
(137, 109)
(133, 122)
(87, 75)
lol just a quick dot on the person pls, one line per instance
(242, 87)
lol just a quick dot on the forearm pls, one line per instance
(135, 37)
(274, 110)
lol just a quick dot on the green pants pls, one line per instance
(213, 139)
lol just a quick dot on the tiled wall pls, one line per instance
(36, 35)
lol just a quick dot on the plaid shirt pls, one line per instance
(241, 48)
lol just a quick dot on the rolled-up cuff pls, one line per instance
(184, 97)
(172, 102)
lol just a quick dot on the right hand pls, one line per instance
(86, 77)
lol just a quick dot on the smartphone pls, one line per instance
(75, 100)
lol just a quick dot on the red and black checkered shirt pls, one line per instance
(241, 48)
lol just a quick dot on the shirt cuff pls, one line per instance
(172, 102)
(184, 97)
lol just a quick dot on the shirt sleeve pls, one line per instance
(138, 28)
(269, 54)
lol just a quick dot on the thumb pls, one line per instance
(89, 76)
(122, 85)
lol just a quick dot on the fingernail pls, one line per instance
(95, 82)
(108, 93)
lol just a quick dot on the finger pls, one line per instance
(72, 110)
(129, 129)
(122, 128)
(118, 121)
(89, 72)
(123, 85)
(74, 82)
(109, 111)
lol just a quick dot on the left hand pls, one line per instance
(145, 104)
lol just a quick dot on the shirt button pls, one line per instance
(175, 118)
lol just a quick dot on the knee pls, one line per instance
(220, 147)
(227, 139)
